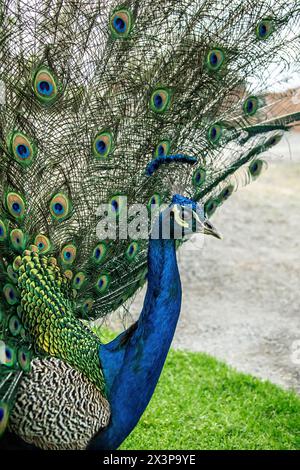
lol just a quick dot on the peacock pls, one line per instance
(107, 106)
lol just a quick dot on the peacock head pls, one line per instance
(183, 217)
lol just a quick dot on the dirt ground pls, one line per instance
(241, 295)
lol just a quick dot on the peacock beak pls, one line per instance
(209, 229)
(206, 227)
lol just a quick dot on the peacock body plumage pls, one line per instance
(118, 104)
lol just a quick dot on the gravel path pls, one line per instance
(241, 295)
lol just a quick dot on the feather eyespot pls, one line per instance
(162, 149)
(102, 283)
(160, 100)
(99, 253)
(215, 59)
(3, 230)
(117, 204)
(12, 274)
(7, 354)
(22, 148)
(24, 359)
(14, 325)
(78, 280)
(215, 133)
(102, 145)
(87, 306)
(265, 28)
(68, 254)
(274, 140)
(60, 206)
(10, 294)
(17, 239)
(250, 106)
(210, 207)
(43, 243)
(45, 86)
(15, 205)
(199, 177)
(121, 23)
(226, 193)
(132, 251)
(256, 168)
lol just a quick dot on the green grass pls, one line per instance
(201, 403)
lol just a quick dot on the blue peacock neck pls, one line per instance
(132, 363)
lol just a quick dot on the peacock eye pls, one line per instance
(17, 239)
(210, 207)
(121, 24)
(199, 177)
(87, 306)
(43, 243)
(251, 106)
(79, 280)
(102, 145)
(16, 205)
(3, 230)
(264, 29)
(160, 100)
(14, 325)
(162, 149)
(132, 251)
(215, 59)
(11, 274)
(24, 359)
(22, 149)
(274, 140)
(215, 133)
(60, 206)
(226, 193)
(45, 86)
(7, 355)
(255, 168)
(99, 253)
(68, 254)
(102, 283)
(117, 204)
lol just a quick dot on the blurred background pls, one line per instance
(241, 295)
